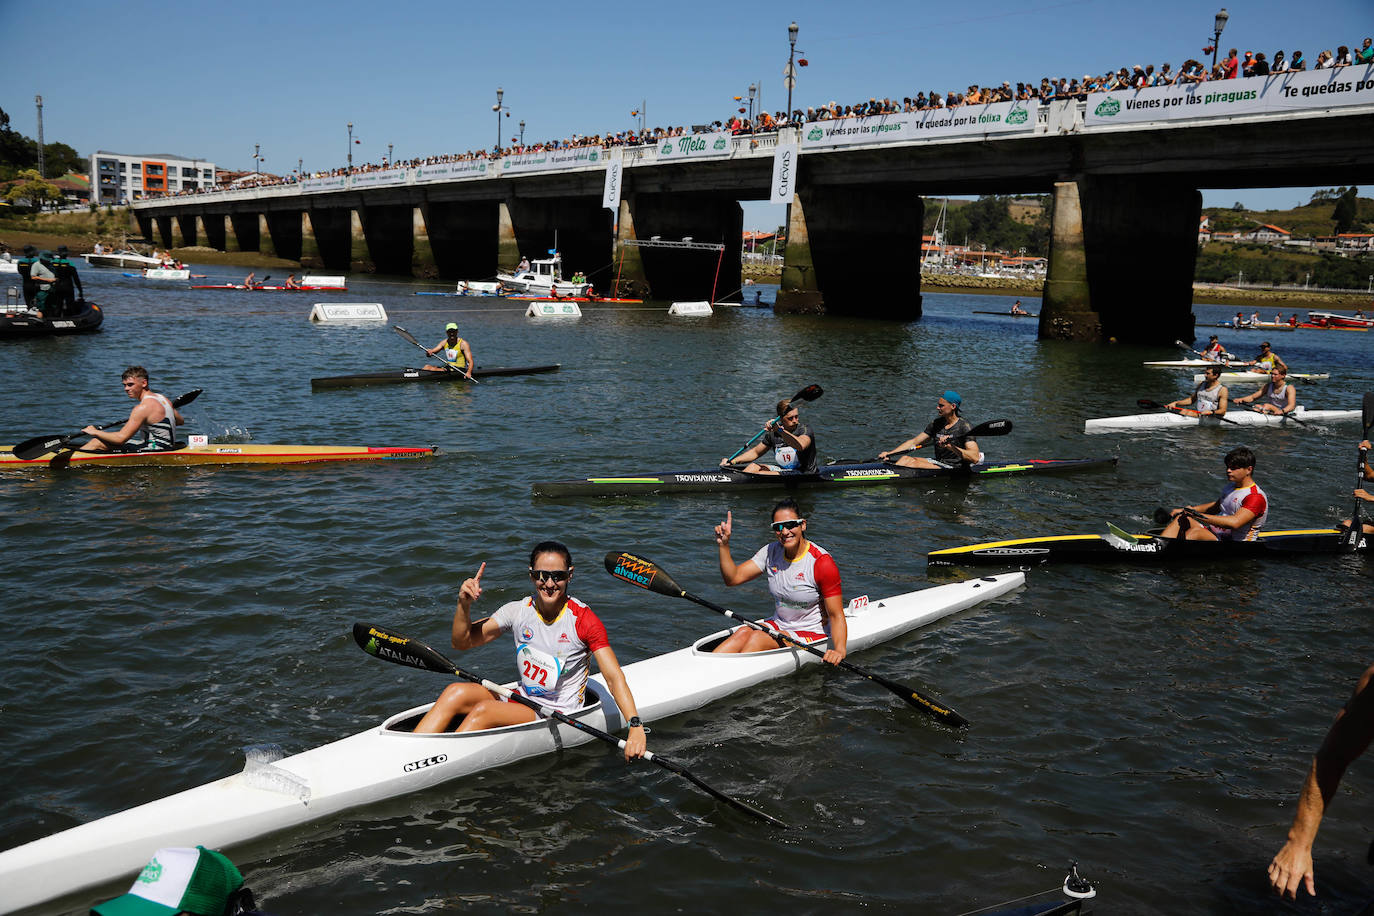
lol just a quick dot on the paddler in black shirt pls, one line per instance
(793, 443)
(950, 434)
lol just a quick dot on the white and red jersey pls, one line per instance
(1237, 498)
(799, 588)
(553, 659)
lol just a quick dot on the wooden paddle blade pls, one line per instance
(642, 573)
(991, 428)
(400, 649)
(30, 449)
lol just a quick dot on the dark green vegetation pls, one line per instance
(1000, 223)
(18, 152)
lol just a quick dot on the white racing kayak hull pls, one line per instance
(382, 763)
(1240, 415)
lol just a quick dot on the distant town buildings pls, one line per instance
(118, 178)
(1346, 244)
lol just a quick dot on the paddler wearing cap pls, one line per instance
(949, 433)
(1268, 360)
(457, 354)
(199, 881)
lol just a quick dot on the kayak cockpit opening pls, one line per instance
(405, 722)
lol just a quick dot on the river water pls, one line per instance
(1154, 725)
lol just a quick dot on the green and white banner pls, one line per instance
(784, 172)
(1282, 92)
(380, 178)
(615, 174)
(447, 171)
(552, 160)
(328, 183)
(695, 146)
(965, 121)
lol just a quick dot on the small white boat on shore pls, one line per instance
(388, 760)
(544, 278)
(1169, 420)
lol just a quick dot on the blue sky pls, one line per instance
(211, 80)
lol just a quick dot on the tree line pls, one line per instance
(19, 153)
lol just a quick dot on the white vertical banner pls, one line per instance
(784, 172)
(615, 171)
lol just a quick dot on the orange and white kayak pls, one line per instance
(214, 454)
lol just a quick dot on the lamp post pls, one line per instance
(1219, 25)
(256, 159)
(388, 154)
(498, 108)
(522, 133)
(753, 91)
(350, 147)
(791, 79)
(300, 168)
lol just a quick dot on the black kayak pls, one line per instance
(399, 376)
(845, 474)
(23, 323)
(1140, 548)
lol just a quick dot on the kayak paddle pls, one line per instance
(1149, 405)
(1350, 540)
(411, 337)
(1225, 360)
(988, 428)
(30, 449)
(809, 393)
(648, 575)
(404, 651)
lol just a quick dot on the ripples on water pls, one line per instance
(1154, 724)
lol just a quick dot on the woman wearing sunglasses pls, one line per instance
(555, 639)
(804, 581)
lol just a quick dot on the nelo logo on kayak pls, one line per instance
(427, 762)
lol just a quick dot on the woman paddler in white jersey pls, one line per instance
(555, 639)
(804, 581)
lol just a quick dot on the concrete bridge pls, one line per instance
(1123, 170)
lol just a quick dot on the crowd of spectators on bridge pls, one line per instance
(1233, 66)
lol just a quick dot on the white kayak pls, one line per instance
(1183, 363)
(1259, 378)
(388, 760)
(1169, 420)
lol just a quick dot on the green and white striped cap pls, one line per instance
(178, 880)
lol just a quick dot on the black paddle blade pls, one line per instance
(1367, 411)
(1149, 404)
(400, 649)
(642, 573)
(991, 428)
(1163, 516)
(30, 449)
(187, 398)
(809, 393)
(717, 794)
(406, 334)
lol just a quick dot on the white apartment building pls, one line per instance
(118, 178)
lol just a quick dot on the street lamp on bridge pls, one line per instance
(522, 133)
(498, 108)
(350, 147)
(790, 74)
(1218, 27)
(257, 168)
(388, 155)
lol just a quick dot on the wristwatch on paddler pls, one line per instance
(637, 722)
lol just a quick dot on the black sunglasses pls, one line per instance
(549, 575)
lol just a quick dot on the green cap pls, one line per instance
(178, 880)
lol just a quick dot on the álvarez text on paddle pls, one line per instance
(411, 337)
(646, 574)
(30, 449)
(381, 643)
(1350, 540)
(1184, 411)
(809, 393)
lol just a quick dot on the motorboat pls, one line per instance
(543, 278)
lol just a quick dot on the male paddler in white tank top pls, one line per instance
(1208, 399)
(151, 425)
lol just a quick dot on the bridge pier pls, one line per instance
(833, 232)
(464, 238)
(703, 217)
(332, 230)
(186, 228)
(284, 229)
(629, 280)
(144, 223)
(245, 229)
(1122, 255)
(163, 226)
(389, 232)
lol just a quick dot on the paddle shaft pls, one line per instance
(987, 428)
(1226, 361)
(1146, 402)
(418, 655)
(914, 697)
(804, 395)
(1351, 539)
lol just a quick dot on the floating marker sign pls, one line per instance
(1282, 92)
(690, 309)
(963, 121)
(695, 146)
(322, 280)
(553, 310)
(347, 312)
